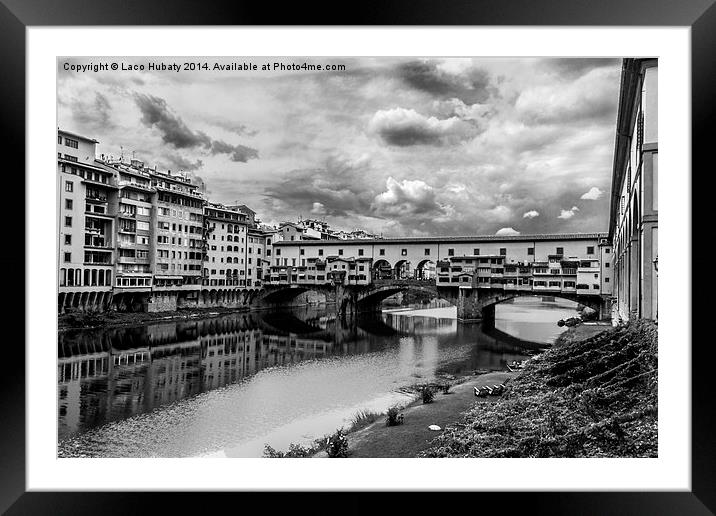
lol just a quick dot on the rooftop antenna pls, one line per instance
(121, 153)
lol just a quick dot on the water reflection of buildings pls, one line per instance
(107, 375)
(113, 374)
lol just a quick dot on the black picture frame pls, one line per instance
(17, 15)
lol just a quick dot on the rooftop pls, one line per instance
(446, 239)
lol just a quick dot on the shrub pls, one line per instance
(363, 418)
(294, 451)
(446, 388)
(337, 445)
(393, 416)
(427, 394)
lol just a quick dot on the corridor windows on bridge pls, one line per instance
(530, 251)
(503, 251)
(560, 250)
(360, 252)
(68, 222)
(451, 252)
(382, 252)
(68, 186)
(68, 239)
(403, 252)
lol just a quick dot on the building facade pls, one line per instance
(87, 195)
(633, 219)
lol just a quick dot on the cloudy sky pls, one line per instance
(402, 147)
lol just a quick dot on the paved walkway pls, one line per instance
(413, 436)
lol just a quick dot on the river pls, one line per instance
(226, 386)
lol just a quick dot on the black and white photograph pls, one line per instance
(357, 257)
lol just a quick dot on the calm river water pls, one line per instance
(228, 385)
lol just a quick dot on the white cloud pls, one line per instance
(568, 214)
(318, 209)
(593, 194)
(507, 231)
(531, 214)
(406, 196)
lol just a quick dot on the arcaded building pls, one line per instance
(633, 218)
(87, 194)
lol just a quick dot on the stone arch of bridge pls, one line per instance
(374, 296)
(494, 299)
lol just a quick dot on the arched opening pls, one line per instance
(425, 270)
(402, 270)
(382, 270)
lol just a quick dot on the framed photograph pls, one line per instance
(426, 243)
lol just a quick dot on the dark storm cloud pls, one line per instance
(239, 153)
(470, 87)
(574, 67)
(156, 113)
(405, 127)
(95, 114)
(338, 185)
(178, 162)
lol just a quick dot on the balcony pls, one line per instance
(96, 197)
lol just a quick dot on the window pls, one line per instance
(68, 204)
(560, 250)
(71, 143)
(595, 286)
(360, 252)
(320, 252)
(68, 221)
(607, 250)
(590, 250)
(606, 265)
(476, 252)
(68, 257)
(68, 239)
(403, 252)
(278, 252)
(427, 252)
(503, 251)
(606, 280)
(340, 252)
(68, 186)
(451, 252)
(382, 252)
(59, 139)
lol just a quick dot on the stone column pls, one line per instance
(468, 305)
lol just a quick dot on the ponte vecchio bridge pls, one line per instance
(474, 273)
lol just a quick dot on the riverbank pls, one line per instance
(594, 394)
(88, 320)
(414, 436)
(586, 397)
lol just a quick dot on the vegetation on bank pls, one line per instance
(595, 397)
(93, 319)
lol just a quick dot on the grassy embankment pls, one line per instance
(86, 320)
(585, 397)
